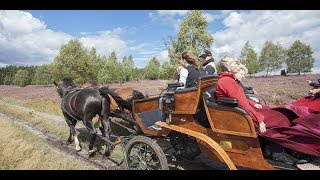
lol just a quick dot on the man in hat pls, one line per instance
(208, 65)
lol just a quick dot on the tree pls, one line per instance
(272, 57)
(22, 78)
(299, 58)
(75, 61)
(167, 70)
(192, 36)
(111, 70)
(43, 75)
(127, 67)
(152, 69)
(249, 58)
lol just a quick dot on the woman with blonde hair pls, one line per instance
(284, 127)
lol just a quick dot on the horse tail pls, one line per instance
(105, 91)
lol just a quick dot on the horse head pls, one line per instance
(63, 86)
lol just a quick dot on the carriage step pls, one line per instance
(155, 127)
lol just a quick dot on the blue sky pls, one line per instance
(34, 37)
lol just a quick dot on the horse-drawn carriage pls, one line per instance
(192, 122)
(230, 136)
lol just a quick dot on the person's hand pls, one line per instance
(259, 106)
(314, 92)
(262, 127)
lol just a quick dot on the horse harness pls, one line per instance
(68, 92)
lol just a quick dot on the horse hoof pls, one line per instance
(91, 153)
(78, 149)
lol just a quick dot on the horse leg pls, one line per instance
(106, 129)
(72, 132)
(76, 140)
(92, 130)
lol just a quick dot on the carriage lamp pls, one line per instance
(168, 101)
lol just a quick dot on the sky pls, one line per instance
(34, 37)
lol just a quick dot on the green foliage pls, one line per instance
(137, 74)
(299, 58)
(22, 78)
(75, 61)
(111, 70)
(192, 36)
(249, 58)
(152, 69)
(7, 73)
(272, 57)
(43, 75)
(167, 71)
(127, 67)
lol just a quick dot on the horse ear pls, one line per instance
(55, 83)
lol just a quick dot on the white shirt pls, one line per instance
(183, 77)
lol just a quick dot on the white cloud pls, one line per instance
(25, 40)
(164, 56)
(210, 17)
(172, 12)
(105, 42)
(259, 26)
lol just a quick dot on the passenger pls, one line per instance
(240, 75)
(208, 65)
(316, 88)
(178, 72)
(189, 75)
(286, 128)
(312, 101)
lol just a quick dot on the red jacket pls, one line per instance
(227, 86)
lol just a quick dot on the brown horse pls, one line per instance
(125, 93)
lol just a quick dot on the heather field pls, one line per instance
(275, 90)
(36, 108)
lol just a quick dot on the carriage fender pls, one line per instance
(214, 146)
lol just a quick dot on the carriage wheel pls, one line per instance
(143, 153)
(186, 146)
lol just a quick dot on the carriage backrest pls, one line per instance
(226, 117)
(187, 100)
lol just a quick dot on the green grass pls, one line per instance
(57, 128)
(20, 149)
(42, 105)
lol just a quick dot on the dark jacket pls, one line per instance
(193, 76)
(208, 68)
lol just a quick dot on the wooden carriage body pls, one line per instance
(231, 137)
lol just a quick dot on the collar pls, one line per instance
(226, 74)
(207, 62)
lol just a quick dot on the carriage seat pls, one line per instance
(224, 103)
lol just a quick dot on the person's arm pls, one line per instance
(311, 83)
(183, 77)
